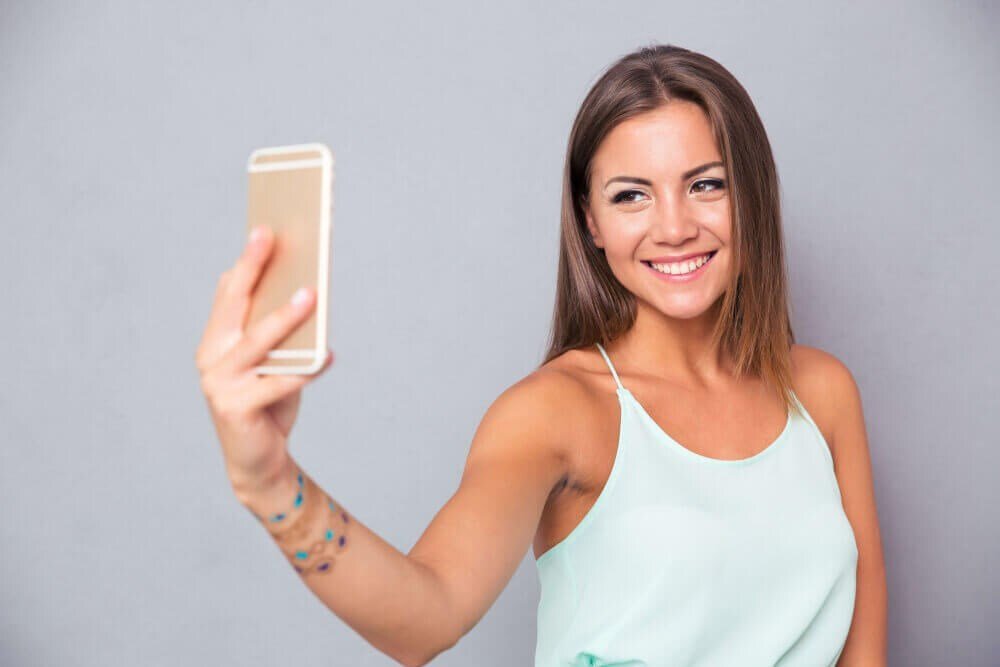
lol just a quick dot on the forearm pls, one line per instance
(866, 644)
(390, 599)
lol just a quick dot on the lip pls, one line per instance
(683, 278)
(670, 259)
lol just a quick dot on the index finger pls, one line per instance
(232, 294)
(233, 297)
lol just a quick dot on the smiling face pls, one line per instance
(659, 207)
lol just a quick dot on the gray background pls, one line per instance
(125, 131)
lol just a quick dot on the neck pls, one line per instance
(671, 348)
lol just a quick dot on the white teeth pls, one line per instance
(680, 268)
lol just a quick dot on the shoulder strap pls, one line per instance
(610, 365)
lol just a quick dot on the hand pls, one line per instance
(253, 414)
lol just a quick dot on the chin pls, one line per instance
(689, 309)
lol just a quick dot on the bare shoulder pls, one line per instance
(540, 403)
(827, 388)
(818, 368)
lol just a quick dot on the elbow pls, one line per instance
(412, 662)
(426, 656)
(438, 637)
(436, 625)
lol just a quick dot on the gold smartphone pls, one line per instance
(291, 191)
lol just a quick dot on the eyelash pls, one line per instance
(719, 184)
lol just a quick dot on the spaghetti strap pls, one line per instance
(610, 365)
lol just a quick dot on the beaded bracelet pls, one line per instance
(280, 516)
(310, 501)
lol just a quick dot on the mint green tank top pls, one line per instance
(689, 560)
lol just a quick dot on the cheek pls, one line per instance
(716, 222)
(721, 226)
(622, 240)
(723, 265)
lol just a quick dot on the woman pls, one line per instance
(685, 505)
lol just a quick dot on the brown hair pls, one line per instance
(591, 304)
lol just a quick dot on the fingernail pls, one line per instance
(257, 233)
(301, 296)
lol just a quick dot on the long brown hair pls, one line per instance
(591, 305)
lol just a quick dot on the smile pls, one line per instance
(681, 271)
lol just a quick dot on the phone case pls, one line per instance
(291, 191)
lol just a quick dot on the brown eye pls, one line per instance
(715, 184)
(621, 196)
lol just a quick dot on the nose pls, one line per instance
(672, 221)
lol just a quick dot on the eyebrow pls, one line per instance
(642, 181)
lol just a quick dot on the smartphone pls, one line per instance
(291, 191)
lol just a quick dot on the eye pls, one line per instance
(716, 184)
(620, 197)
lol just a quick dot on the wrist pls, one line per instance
(272, 493)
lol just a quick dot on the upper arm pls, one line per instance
(852, 461)
(866, 641)
(479, 537)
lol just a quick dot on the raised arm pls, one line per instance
(476, 541)
(409, 606)
(414, 606)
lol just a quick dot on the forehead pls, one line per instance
(666, 140)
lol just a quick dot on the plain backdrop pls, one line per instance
(125, 129)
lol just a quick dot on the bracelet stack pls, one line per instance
(296, 530)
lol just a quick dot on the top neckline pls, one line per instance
(772, 446)
(644, 414)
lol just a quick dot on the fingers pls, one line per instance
(255, 254)
(235, 292)
(272, 388)
(258, 340)
(232, 299)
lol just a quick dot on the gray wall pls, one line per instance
(125, 129)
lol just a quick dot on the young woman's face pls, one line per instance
(671, 203)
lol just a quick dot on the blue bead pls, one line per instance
(302, 554)
(298, 499)
(329, 535)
